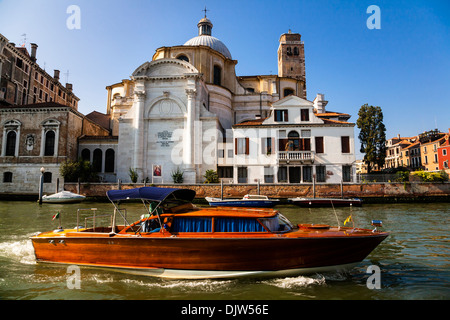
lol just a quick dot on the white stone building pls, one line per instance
(176, 110)
(297, 143)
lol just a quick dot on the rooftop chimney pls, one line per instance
(34, 47)
(320, 103)
(69, 86)
(56, 75)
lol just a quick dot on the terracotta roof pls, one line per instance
(335, 121)
(100, 119)
(255, 122)
(332, 114)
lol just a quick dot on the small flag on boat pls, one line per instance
(348, 220)
(56, 216)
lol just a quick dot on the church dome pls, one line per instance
(204, 38)
(211, 42)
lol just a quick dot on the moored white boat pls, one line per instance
(63, 197)
(249, 200)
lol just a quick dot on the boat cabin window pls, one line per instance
(191, 224)
(221, 224)
(232, 224)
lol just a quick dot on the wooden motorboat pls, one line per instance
(175, 239)
(326, 202)
(249, 200)
(63, 197)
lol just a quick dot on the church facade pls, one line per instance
(184, 110)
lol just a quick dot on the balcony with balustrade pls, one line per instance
(298, 156)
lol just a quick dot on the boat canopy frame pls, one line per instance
(148, 194)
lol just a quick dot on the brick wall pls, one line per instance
(387, 191)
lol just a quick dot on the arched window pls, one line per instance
(86, 155)
(217, 75)
(97, 160)
(49, 138)
(10, 141)
(11, 144)
(296, 52)
(293, 141)
(183, 58)
(109, 160)
(49, 143)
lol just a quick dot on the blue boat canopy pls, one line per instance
(151, 193)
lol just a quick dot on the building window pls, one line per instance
(47, 177)
(217, 75)
(345, 144)
(444, 152)
(86, 155)
(242, 175)
(282, 174)
(109, 160)
(281, 116)
(7, 177)
(304, 113)
(242, 146)
(225, 172)
(307, 174)
(268, 175)
(319, 144)
(11, 138)
(296, 52)
(183, 58)
(49, 138)
(49, 143)
(288, 92)
(346, 173)
(295, 175)
(97, 160)
(446, 164)
(320, 173)
(267, 145)
(289, 51)
(293, 141)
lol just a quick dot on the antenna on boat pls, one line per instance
(334, 210)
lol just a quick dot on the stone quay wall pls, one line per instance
(372, 192)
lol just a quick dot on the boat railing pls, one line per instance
(95, 218)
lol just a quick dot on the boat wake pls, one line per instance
(20, 250)
(297, 282)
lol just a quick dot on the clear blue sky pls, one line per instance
(404, 67)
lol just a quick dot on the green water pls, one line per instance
(414, 260)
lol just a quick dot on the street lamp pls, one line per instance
(41, 185)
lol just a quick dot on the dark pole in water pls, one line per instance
(41, 185)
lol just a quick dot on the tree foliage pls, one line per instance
(211, 176)
(372, 135)
(80, 169)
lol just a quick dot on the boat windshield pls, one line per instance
(279, 223)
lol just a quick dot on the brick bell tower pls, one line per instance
(291, 57)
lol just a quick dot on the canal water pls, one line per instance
(413, 261)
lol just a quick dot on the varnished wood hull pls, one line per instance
(226, 256)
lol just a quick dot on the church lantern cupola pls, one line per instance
(204, 27)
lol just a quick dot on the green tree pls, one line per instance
(134, 176)
(211, 176)
(372, 135)
(80, 169)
